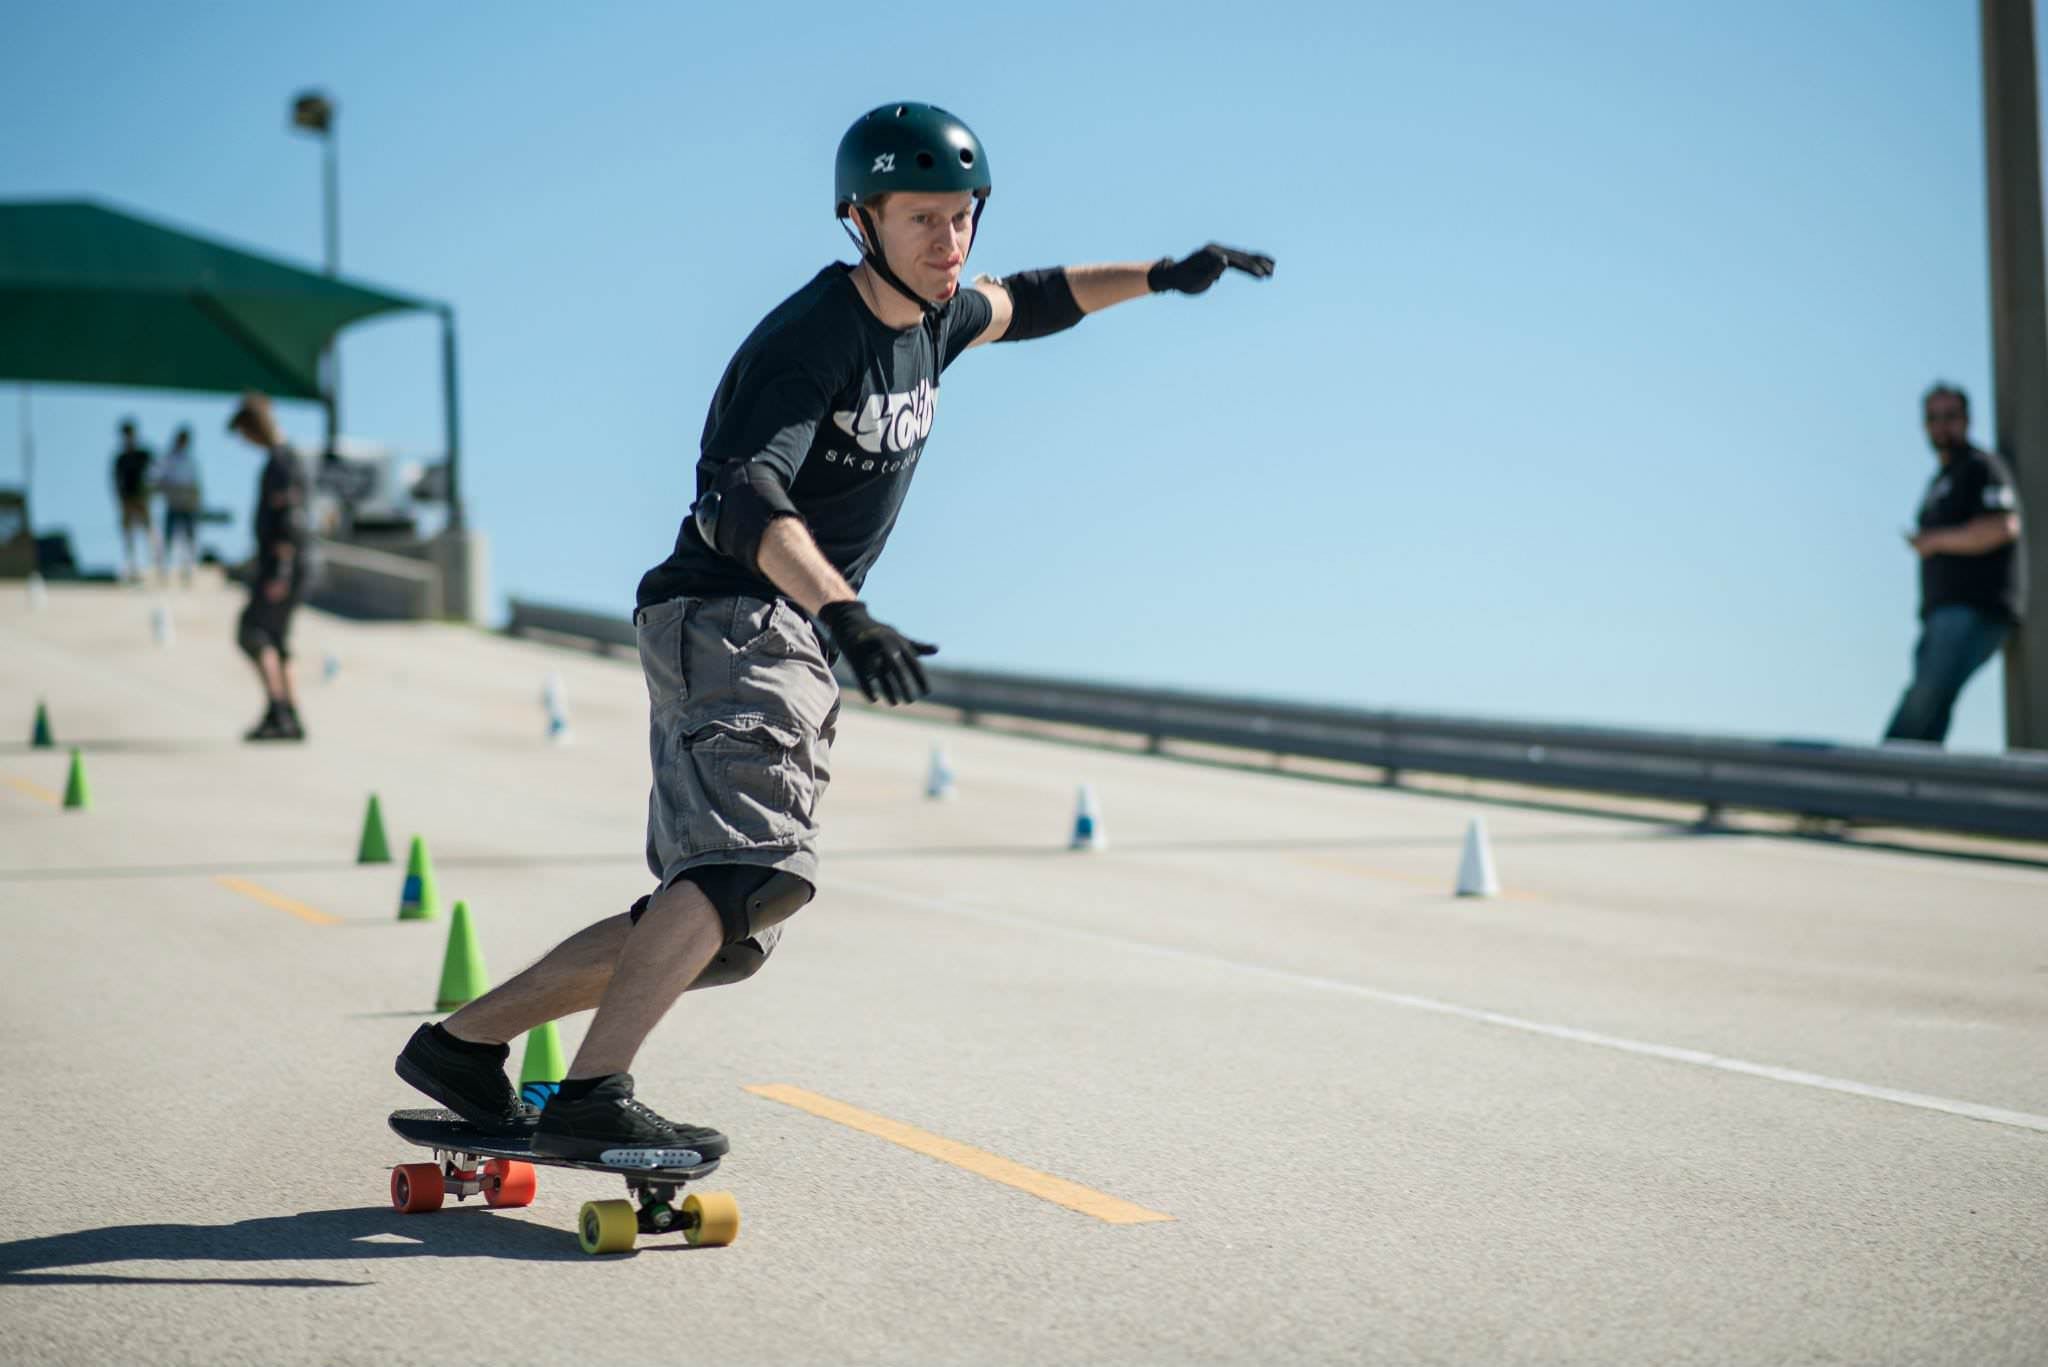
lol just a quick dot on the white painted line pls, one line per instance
(1911, 861)
(1670, 1053)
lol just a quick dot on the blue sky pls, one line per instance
(1586, 388)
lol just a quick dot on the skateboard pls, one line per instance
(469, 1162)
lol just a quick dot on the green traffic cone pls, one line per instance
(373, 849)
(77, 797)
(542, 1071)
(462, 967)
(42, 739)
(421, 900)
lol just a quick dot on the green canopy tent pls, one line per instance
(92, 295)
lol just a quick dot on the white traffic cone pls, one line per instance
(554, 697)
(1088, 833)
(38, 594)
(1475, 866)
(938, 784)
(161, 626)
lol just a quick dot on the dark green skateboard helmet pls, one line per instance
(908, 147)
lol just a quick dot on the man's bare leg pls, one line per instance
(570, 977)
(673, 943)
(271, 669)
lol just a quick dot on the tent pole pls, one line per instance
(28, 449)
(451, 418)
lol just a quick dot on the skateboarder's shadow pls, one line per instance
(349, 1236)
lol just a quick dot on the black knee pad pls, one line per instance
(749, 898)
(738, 961)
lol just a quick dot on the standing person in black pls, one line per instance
(279, 571)
(132, 465)
(1972, 569)
(808, 451)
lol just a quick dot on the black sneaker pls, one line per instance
(288, 720)
(272, 727)
(598, 1121)
(469, 1079)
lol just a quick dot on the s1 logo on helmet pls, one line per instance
(884, 164)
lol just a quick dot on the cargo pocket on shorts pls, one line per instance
(780, 673)
(756, 781)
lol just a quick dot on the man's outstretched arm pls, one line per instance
(1039, 303)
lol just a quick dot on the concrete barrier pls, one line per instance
(357, 582)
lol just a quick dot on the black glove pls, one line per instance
(1201, 270)
(883, 658)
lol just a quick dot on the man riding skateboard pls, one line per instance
(807, 453)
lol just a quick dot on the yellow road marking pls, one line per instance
(34, 790)
(1391, 875)
(271, 899)
(978, 1161)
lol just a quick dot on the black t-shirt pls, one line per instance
(1970, 486)
(840, 405)
(131, 472)
(280, 517)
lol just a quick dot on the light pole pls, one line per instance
(2019, 337)
(313, 112)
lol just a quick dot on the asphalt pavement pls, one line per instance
(1248, 1085)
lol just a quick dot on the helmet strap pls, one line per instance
(879, 263)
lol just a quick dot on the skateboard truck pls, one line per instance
(463, 1175)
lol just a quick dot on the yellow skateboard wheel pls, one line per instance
(607, 1226)
(711, 1218)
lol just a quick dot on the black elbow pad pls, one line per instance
(1041, 303)
(734, 513)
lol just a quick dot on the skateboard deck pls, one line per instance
(471, 1162)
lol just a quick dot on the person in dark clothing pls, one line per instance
(1972, 568)
(808, 451)
(132, 467)
(264, 632)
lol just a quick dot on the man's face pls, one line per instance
(1948, 422)
(925, 238)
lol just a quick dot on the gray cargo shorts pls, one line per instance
(742, 712)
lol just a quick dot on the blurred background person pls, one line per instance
(132, 468)
(277, 573)
(178, 477)
(1972, 568)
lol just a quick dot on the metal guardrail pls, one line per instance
(1905, 785)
